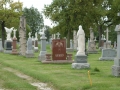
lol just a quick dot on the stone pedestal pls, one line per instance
(116, 66)
(80, 62)
(8, 46)
(29, 52)
(1, 48)
(108, 54)
(43, 52)
(14, 46)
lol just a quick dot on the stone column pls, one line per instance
(14, 43)
(42, 54)
(116, 66)
(22, 35)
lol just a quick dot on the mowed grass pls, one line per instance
(60, 76)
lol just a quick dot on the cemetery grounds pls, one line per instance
(21, 73)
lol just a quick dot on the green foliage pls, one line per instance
(47, 32)
(34, 19)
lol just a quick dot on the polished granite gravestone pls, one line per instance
(108, 54)
(8, 46)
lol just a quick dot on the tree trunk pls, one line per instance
(3, 33)
(100, 34)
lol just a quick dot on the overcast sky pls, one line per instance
(39, 4)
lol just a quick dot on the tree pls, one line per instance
(9, 15)
(47, 32)
(34, 19)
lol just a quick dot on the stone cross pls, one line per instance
(91, 34)
(36, 35)
(14, 33)
(29, 34)
(107, 35)
(58, 35)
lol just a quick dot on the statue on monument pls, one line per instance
(8, 31)
(81, 41)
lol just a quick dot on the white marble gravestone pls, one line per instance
(29, 52)
(36, 43)
(80, 57)
(92, 45)
(8, 41)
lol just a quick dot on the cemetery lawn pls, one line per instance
(57, 76)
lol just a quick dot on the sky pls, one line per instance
(39, 4)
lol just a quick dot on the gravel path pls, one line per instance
(32, 81)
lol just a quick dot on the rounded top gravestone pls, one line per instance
(81, 41)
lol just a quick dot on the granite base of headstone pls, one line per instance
(116, 70)
(42, 56)
(108, 54)
(69, 50)
(29, 52)
(108, 44)
(1, 48)
(92, 48)
(80, 62)
(8, 46)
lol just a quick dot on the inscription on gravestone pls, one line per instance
(59, 49)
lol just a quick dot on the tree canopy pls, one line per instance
(34, 19)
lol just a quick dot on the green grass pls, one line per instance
(61, 76)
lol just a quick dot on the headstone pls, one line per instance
(59, 49)
(22, 35)
(1, 48)
(75, 40)
(92, 45)
(80, 57)
(108, 54)
(33, 41)
(43, 51)
(8, 41)
(14, 43)
(115, 45)
(58, 35)
(102, 42)
(116, 66)
(36, 43)
(108, 43)
(29, 52)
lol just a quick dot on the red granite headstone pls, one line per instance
(59, 49)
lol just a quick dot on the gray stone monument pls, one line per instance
(116, 66)
(29, 52)
(92, 45)
(80, 61)
(36, 43)
(43, 51)
(22, 35)
(115, 45)
(102, 42)
(75, 44)
(108, 43)
(8, 41)
(108, 54)
(1, 48)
